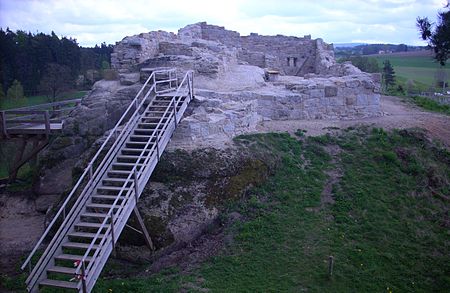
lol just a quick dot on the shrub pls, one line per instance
(15, 91)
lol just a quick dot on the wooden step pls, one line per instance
(105, 196)
(94, 215)
(62, 270)
(72, 257)
(129, 157)
(157, 106)
(120, 166)
(119, 172)
(90, 225)
(145, 130)
(85, 235)
(59, 284)
(114, 188)
(141, 136)
(100, 206)
(141, 143)
(115, 180)
(79, 245)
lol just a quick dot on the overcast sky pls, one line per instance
(336, 21)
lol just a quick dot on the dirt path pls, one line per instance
(20, 228)
(398, 114)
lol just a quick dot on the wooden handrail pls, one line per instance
(92, 174)
(82, 197)
(130, 179)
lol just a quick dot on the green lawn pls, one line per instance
(37, 100)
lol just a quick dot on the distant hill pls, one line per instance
(374, 49)
(348, 45)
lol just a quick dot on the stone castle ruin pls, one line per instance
(242, 81)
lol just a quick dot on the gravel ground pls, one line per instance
(397, 114)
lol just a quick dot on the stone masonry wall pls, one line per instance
(293, 56)
(289, 55)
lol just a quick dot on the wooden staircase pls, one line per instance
(96, 211)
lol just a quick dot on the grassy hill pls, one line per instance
(376, 201)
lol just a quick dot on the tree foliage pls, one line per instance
(25, 57)
(57, 79)
(365, 64)
(388, 74)
(438, 35)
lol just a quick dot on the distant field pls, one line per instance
(417, 66)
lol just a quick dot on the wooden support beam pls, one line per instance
(147, 238)
(3, 124)
(21, 159)
(17, 160)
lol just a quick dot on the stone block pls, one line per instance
(337, 101)
(350, 100)
(374, 99)
(317, 93)
(353, 83)
(362, 100)
(311, 103)
(331, 91)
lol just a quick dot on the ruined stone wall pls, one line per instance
(290, 55)
(220, 34)
(135, 49)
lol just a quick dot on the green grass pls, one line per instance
(421, 69)
(6, 104)
(430, 105)
(388, 229)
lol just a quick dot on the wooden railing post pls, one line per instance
(136, 187)
(90, 170)
(113, 240)
(83, 277)
(157, 143)
(47, 123)
(175, 112)
(3, 123)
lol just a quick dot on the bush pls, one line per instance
(15, 91)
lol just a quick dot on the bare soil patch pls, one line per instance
(20, 228)
(397, 114)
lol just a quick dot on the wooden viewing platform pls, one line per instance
(32, 125)
(35, 120)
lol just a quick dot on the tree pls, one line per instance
(410, 85)
(437, 36)
(57, 79)
(442, 77)
(2, 93)
(365, 64)
(388, 74)
(15, 91)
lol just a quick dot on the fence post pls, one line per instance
(136, 189)
(90, 171)
(157, 143)
(83, 277)
(174, 112)
(3, 124)
(47, 123)
(111, 218)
